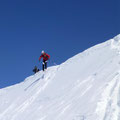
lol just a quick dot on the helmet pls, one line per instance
(42, 52)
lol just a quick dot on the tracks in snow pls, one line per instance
(108, 108)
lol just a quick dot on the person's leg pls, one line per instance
(43, 65)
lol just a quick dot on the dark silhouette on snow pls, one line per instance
(35, 70)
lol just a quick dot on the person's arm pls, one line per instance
(40, 57)
(48, 56)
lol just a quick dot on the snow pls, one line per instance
(115, 44)
(85, 87)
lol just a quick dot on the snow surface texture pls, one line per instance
(85, 87)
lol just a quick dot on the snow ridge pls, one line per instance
(115, 42)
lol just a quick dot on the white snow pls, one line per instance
(85, 87)
(115, 44)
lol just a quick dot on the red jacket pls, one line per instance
(45, 56)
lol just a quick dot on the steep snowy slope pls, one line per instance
(85, 87)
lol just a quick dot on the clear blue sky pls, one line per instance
(62, 28)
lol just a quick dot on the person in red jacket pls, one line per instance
(45, 57)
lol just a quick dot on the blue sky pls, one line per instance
(62, 28)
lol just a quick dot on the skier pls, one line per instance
(45, 57)
(35, 70)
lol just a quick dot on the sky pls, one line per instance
(62, 28)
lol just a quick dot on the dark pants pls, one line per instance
(44, 65)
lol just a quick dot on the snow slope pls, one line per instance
(85, 87)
